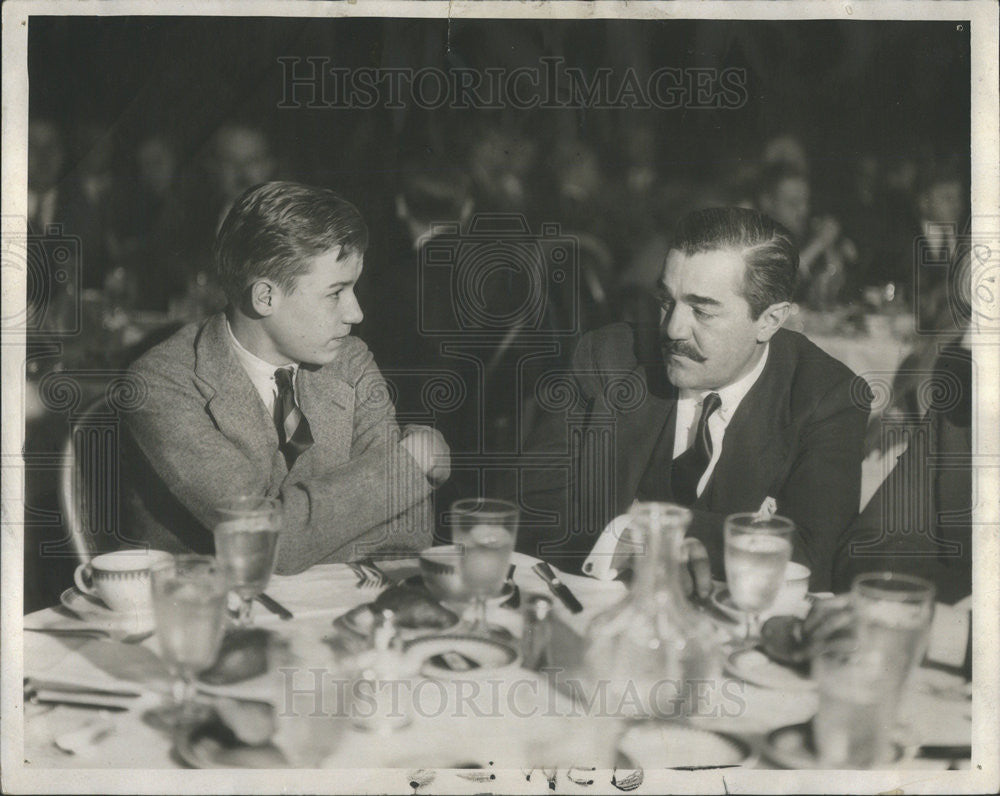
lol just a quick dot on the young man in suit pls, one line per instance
(275, 397)
(718, 409)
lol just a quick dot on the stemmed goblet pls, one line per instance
(189, 604)
(756, 555)
(246, 541)
(485, 530)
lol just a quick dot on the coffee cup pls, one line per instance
(792, 597)
(120, 579)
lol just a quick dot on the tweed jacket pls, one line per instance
(202, 434)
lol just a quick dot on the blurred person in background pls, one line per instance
(785, 195)
(237, 157)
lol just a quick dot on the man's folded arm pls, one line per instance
(200, 466)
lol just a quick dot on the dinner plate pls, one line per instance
(792, 747)
(360, 621)
(210, 744)
(95, 613)
(448, 657)
(664, 745)
(754, 667)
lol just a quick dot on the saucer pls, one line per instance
(94, 612)
(662, 745)
(754, 667)
(723, 601)
(505, 592)
(792, 747)
(210, 744)
(460, 656)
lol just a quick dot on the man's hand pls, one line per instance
(427, 447)
(696, 574)
(827, 620)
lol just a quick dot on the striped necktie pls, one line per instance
(294, 435)
(688, 468)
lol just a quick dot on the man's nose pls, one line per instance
(354, 315)
(674, 324)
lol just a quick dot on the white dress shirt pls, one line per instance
(689, 411)
(261, 373)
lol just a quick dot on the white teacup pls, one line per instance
(792, 596)
(120, 579)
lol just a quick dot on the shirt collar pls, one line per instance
(731, 394)
(254, 365)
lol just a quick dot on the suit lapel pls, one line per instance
(232, 400)
(755, 434)
(639, 434)
(327, 401)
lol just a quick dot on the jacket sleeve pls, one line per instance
(547, 480)
(322, 514)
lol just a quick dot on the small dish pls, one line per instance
(448, 657)
(211, 744)
(662, 745)
(754, 667)
(792, 747)
(93, 611)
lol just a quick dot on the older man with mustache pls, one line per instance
(718, 409)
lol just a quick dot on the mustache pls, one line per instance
(681, 348)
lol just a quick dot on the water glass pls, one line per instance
(893, 615)
(189, 604)
(246, 541)
(757, 553)
(486, 531)
(855, 722)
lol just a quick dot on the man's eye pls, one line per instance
(334, 295)
(701, 314)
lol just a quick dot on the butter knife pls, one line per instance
(557, 587)
(274, 606)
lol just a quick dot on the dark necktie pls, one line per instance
(294, 435)
(688, 468)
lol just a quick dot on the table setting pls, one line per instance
(475, 663)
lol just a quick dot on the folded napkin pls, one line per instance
(321, 589)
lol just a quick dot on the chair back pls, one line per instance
(90, 479)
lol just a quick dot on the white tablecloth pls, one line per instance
(459, 729)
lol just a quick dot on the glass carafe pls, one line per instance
(654, 654)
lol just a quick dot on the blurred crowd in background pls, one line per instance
(143, 132)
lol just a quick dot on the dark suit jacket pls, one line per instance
(919, 521)
(797, 436)
(202, 434)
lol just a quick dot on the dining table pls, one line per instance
(508, 730)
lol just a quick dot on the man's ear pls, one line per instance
(263, 293)
(772, 319)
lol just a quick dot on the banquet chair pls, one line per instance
(89, 479)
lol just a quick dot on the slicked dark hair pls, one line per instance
(767, 248)
(274, 229)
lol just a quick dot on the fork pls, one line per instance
(367, 579)
(380, 578)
